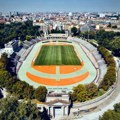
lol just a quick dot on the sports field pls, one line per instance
(57, 55)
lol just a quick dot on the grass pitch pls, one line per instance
(57, 55)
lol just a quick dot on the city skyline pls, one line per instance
(60, 6)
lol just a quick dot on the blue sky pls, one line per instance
(60, 5)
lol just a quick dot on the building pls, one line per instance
(57, 36)
(58, 104)
(10, 47)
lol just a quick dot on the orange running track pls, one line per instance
(70, 69)
(45, 69)
(53, 82)
(52, 69)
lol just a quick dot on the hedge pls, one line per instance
(110, 77)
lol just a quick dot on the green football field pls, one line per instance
(57, 55)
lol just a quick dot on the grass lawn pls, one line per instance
(57, 55)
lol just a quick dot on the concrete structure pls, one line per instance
(58, 104)
(56, 36)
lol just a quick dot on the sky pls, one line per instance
(60, 5)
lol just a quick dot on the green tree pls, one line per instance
(8, 107)
(73, 96)
(80, 93)
(110, 115)
(82, 96)
(4, 76)
(117, 107)
(11, 109)
(40, 93)
(74, 30)
(28, 111)
(28, 37)
(92, 90)
(79, 88)
(115, 46)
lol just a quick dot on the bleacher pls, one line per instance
(93, 50)
(23, 53)
(18, 66)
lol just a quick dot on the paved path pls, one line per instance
(58, 73)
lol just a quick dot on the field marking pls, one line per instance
(57, 73)
(53, 82)
(57, 55)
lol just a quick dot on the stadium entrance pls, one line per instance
(58, 112)
(58, 105)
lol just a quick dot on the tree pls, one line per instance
(17, 30)
(40, 93)
(2, 65)
(82, 96)
(22, 90)
(8, 107)
(29, 111)
(115, 46)
(117, 107)
(57, 31)
(28, 37)
(110, 115)
(4, 76)
(79, 88)
(115, 26)
(1, 95)
(11, 109)
(28, 92)
(73, 96)
(92, 90)
(74, 30)
(110, 76)
(80, 93)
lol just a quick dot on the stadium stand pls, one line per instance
(94, 56)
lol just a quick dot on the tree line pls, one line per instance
(17, 30)
(110, 77)
(82, 93)
(16, 87)
(12, 109)
(112, 114)
(57, 31)
(109, 40)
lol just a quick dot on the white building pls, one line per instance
(102, 15)
(57, 36)
(10, 47)
(58, 104)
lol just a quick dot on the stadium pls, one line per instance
(60, 63)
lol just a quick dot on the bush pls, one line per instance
(40, 93)
(84, 92)
(110, 76)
